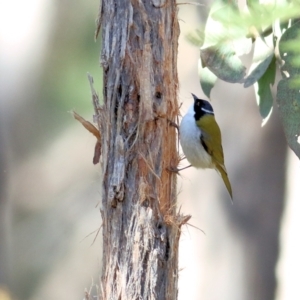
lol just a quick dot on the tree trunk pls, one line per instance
(140, 226)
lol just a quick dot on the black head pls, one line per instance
(201, 108)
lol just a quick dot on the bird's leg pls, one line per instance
(170, 122)
(176, 170)
(183, 168)
(173, 124)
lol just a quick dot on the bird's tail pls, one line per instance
(224, 176)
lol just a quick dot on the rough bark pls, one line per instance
(140, 226)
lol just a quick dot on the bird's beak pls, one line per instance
(194, 96)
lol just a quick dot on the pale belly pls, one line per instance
(191, 144)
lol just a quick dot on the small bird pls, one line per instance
(200, 139)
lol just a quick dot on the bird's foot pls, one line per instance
(176, 170)
(173, 170)
(173, 124)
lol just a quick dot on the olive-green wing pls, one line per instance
(211, 137)
(212, 143)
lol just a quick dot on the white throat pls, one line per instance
(190, 141)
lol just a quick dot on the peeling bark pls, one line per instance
(141, 228)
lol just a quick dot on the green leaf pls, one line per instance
(259, 71)
(283, 25)
(224, 11)
(288, 92)
(223, 62)
(289, 109)
(242, 46)
(196, 37)
(231, 23)
(251, 3)
(264, 95)
(207, 79)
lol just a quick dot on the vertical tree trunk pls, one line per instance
(140, 226)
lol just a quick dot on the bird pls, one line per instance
(201, 141)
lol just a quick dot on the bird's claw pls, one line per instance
(173, 124)
(173, 170)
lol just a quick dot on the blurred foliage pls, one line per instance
(47, 216)
(223, 62)
(70, 53)
(288, 92)
(264, 83)
(263, 27)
